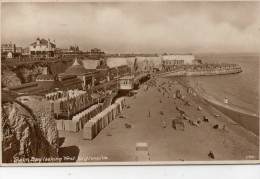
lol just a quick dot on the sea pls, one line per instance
(241, 90)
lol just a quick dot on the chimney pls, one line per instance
(49, 43)
(38, 41)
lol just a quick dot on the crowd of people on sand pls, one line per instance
(180, 100)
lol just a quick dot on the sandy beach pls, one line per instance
(247, 119)
(229, 142)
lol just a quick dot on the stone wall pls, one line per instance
(15, 75)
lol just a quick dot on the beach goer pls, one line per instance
(211, 155)
(226, 101)
(187, 103)
(174, 96)
(216, 115)
(149, 113)
(108, 134)
(205, 119)
(224, 128)
(178, 94)
(164, 124)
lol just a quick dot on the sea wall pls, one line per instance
(200, 72)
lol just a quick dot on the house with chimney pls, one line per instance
(42, 48)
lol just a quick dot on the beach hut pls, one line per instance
(142, 153)
(178, 124)
(121, 102)
(95, 126)
(88, 131)
(110, 114)
(67, 125)
(74, 126)
(60, 125)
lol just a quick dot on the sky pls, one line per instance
(136, 27)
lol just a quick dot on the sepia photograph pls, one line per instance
(129, 83)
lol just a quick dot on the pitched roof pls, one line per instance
(76, 69)
(95, 49)
(103, 67)
(23, 86)
(43, 42)
(31, 88)
(34, 90)
(57, 84)
(45, 77)
(71, 81)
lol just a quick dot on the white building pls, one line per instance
(187, 59)
(9, 55)
(42, 48)
(9, 47)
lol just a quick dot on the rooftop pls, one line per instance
(95, 49)
(76, 69)
(45, 77)
(31, 88)
(71, 81)
(23, 86)
(43, 42)
(126, 78)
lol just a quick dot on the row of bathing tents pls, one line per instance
(93, 119)
(96, 124)
(78, 121)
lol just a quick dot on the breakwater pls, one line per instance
(204, 72)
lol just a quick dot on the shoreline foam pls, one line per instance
(230, 107)
(246, 120)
